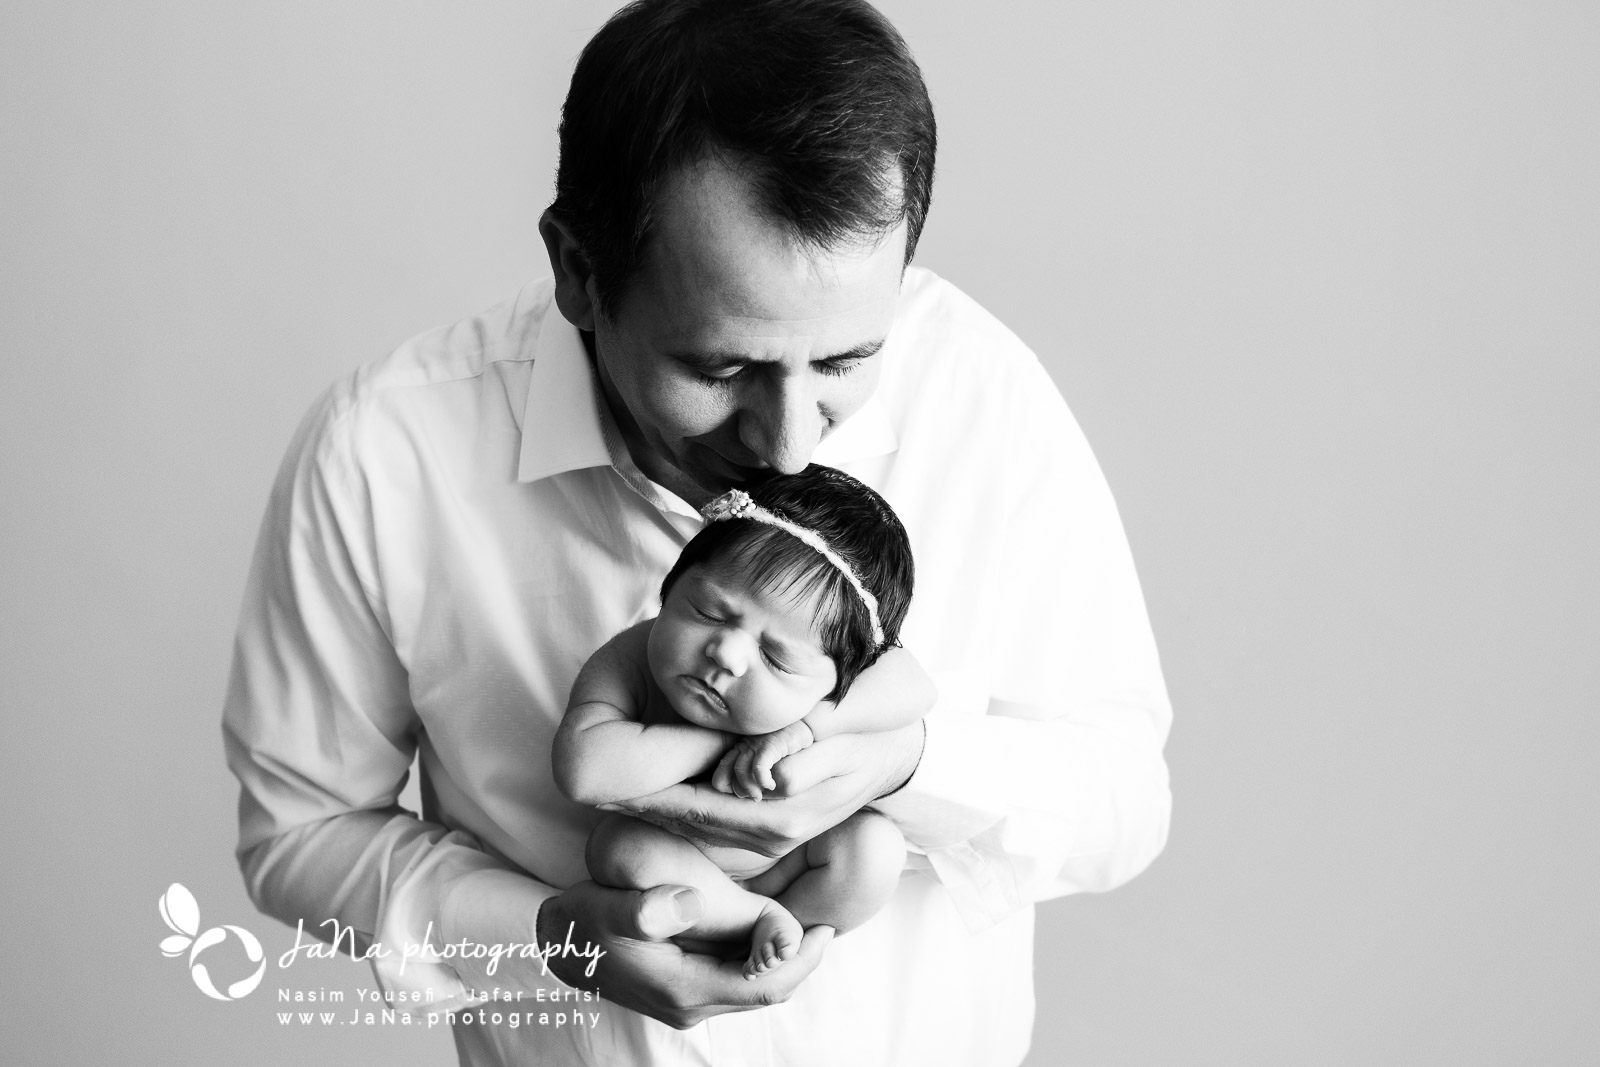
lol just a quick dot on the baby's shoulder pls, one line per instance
(627, 663)
(617, 670)
(631, 647)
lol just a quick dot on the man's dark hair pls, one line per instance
(852, 520)
(818, 102)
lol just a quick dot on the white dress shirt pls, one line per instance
(450, 538)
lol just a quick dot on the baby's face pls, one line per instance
(735, 658)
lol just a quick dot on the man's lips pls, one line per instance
(703, 690)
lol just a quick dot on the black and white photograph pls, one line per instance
(800, 533)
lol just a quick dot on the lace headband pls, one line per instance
(736, 504)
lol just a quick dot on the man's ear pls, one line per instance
(575, 294)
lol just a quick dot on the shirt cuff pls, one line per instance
(458, 925)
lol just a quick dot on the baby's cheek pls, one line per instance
(664, 652)
(778, 710)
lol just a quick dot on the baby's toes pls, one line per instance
(775, 938)
(785, 944)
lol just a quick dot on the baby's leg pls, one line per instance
(627, 853)
(849, 873)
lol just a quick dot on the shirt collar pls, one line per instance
(560, 421)
(561, 428)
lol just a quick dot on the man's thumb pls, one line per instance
(666, 911)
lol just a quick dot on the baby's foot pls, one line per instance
(775, 938)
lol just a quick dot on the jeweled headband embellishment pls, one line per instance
(736, 504)
(730, 505)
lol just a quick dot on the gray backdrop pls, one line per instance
(1321, 280)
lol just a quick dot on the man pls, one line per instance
(457, 527)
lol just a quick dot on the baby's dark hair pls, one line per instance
(856, 523)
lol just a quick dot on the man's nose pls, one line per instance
(782, 424)
(730, 651)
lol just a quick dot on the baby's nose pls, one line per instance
(730, 651)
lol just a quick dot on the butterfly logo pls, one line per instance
(182, 915)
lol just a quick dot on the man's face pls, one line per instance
(734, 351)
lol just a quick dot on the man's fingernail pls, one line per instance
(688, 906)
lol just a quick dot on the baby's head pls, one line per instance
(757, 625)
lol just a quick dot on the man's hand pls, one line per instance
(746, 768)
(644, 971)
(817, 789)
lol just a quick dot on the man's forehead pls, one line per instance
(717, 267)
(720, 187)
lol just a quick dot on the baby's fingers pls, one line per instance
(722, 777)
(763, 768)
(744, 770)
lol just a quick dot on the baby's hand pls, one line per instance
(746, 768)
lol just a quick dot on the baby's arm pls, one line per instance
(603, 753)
(893, 692)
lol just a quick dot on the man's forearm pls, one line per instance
(304, 875)
(1071, 804)
(905, 768)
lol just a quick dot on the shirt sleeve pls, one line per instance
(1043, 771)
(320, 731)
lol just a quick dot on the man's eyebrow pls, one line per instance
(722, 361)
